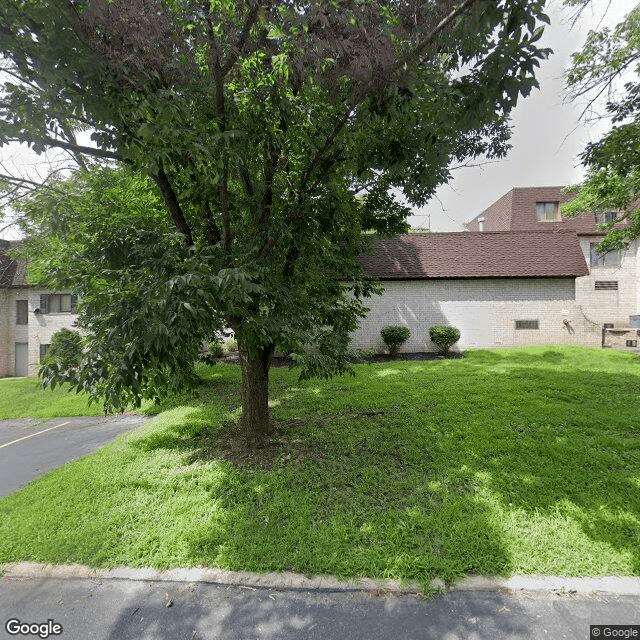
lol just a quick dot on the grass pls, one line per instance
(504, 462)
(23, 398)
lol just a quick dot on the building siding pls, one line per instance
(38, 330)
(485, 311)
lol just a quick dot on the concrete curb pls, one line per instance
(627, 586)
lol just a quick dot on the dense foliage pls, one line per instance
(64, 353)
(275, 134)
(609, 66)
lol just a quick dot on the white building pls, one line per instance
(29, 316)
(524, 275)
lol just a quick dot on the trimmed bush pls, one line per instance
(394, 336)
(65, 350)
(444, 337)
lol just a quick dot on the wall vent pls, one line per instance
(606, 285)
(527, 324)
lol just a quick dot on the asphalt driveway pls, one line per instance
(29, 448)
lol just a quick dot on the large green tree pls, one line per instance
(607, 69)
(275, 132)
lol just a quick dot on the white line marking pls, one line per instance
(34, 434)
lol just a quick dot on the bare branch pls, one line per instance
(18, 182)
(78, 148)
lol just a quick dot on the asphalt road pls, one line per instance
(29, 448)
(147, 610)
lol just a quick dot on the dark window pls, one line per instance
(605, 216)
(608, 325)
(58, 303)
(609, 259)
(547, 211)
(606, 285)
(43, 352)
(527, 324)
(22, 312)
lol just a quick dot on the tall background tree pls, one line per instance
(274, 132)
(607, 69)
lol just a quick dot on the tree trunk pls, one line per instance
(254, 422)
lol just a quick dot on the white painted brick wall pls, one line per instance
(485, 311)
(39, 329)
(610, 306)
(5, 337)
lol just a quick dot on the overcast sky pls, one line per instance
(547, 136)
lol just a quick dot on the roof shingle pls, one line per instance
(507, 254)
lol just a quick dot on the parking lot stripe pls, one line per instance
(34, 434)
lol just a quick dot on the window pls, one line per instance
(608, 325)
(22, 312)
(527, 324)
(605, 216)
(547, 211)
(606, 285)
(43, 352)
(58, 303)
(609, 259)
(632, 343)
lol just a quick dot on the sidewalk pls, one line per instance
(196, 604)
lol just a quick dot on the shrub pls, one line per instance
(65, 350)
(394, 336)
(216, 349)
(444, 337)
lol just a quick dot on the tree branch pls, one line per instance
(271, 160)
(77, 148)
(252, 16)
(174, 207)
(245, 179)
(213, 233)
(366, 90)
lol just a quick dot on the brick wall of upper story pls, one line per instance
(516, 211)
(497, 217)
(523, 216)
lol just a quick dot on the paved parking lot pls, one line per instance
(29, 448)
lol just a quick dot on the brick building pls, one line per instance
(523, 275)
(29, 316)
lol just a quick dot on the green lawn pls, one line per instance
(23, 398)
(504, 462)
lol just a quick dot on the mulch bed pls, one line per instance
(284, 361)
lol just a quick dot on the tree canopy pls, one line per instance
(608, 66)
(275, 133)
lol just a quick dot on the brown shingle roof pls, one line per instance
(507, 254)
(12, 271)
